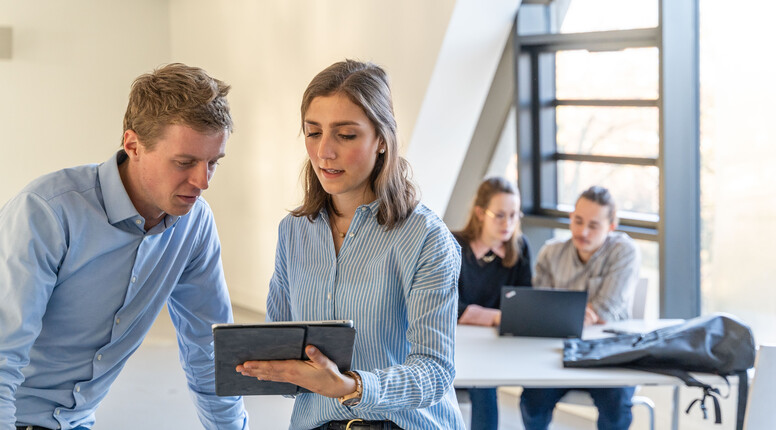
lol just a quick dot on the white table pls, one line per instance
(484, 359)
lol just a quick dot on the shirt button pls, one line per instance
(99, 357)
(364, 208)
(138, 221)
(56, 411)
(77, 388)
(328, 296)
(118, 320)
(134, 279)
(352, 234)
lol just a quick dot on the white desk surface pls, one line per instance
(484, 359)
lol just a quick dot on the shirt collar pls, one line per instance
(118, 206)
(373, 207)
(597, 252)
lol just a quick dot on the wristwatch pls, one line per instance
(353, 398)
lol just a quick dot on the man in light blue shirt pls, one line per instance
(89, 255)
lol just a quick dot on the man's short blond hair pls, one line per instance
(176, 94)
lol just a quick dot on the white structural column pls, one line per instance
(459, 85)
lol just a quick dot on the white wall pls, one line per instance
(63, 94)
(268, 51)
(64, 91)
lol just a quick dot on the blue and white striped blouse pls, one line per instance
(400, 289)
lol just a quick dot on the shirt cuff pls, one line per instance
(370, 385)
(603, 314)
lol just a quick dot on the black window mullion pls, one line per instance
(607, 102)
(608, 159)
(616, 40)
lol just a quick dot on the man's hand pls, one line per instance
(591, 317)
(319, 374)
(478, 315)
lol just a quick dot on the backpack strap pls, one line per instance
(690, 381)
(684, 375)
(708, 392)
(743, 395)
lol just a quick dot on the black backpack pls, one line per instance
(718, 344)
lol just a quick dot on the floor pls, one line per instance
(151, 393)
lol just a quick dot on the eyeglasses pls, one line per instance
(501, 217)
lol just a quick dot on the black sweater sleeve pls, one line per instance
(524, 264)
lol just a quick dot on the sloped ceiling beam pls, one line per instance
(459, 86)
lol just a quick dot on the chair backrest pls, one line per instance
(760, 411)
(639, 306)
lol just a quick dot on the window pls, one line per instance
(598, 104)
(605, 15)
(738, 154)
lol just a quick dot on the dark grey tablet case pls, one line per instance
(542, 312)
(238, 343)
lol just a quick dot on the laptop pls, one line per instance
(542, 312)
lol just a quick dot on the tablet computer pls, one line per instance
(283, 340)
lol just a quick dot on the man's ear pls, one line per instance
(131, 143)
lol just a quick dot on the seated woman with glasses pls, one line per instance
(494, 253)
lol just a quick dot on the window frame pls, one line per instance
(677, 225)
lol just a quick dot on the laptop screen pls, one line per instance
(542, 312)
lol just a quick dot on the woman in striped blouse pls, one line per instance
(361, 247)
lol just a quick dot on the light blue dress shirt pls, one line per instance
(81, 282)
(400, 288)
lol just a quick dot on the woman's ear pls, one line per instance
(479, 213)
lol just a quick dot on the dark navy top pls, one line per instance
(481, 281)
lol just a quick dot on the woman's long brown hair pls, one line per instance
(487, 189)
(366, 85)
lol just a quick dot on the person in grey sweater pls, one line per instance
(606, 264)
